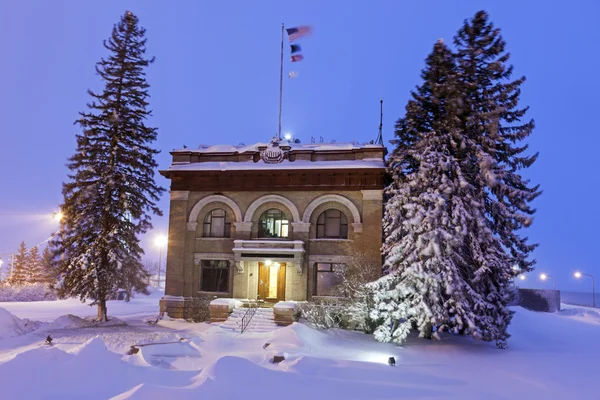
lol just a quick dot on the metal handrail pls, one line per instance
(252, 307)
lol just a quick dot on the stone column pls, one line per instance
(296, 281)
(172, 302)
(371, 236)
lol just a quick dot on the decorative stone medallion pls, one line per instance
(273, 154)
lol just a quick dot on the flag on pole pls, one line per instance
(295, 48)
(298, 32)
(297, 57)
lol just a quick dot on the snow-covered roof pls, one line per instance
(284, 165)
(283, 155)
(242, 148)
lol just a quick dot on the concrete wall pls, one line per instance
(538, 299)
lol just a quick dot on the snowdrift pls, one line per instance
(69, 321)
(89, 371)
(11, 326)
(233, 377)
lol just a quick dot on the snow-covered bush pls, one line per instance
(352, 300)
(325, 313)
(26, 292)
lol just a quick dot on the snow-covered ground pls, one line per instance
(551, 356)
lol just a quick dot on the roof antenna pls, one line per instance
(379, 139)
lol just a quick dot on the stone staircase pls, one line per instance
(262, 321)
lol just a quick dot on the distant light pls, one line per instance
(161, 241)
(522, 277)
(288, 136)
(543, 277)
(1, 262)
(392, 361)
(577, 274)
(268, 263)
(516, 267)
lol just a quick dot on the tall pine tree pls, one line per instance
(18, 269)
(111, 194)
(48, 266)
(431, 217)
(33, 271)
(457, 198)
(493, 119)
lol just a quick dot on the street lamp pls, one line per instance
(57, 216)
(546, 276)
(160, 241)
(579, 275)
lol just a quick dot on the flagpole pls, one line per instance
(280, 86)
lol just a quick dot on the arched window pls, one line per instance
(332, 224)
(217, 224)
(273, 223)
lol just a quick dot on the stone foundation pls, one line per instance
(175, 306)
(218, 313)
(284, 313)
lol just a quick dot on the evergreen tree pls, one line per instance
(492, 119)
(33, 272)
(111, 194)
(447, 270)
(48, 265)
(18, 271)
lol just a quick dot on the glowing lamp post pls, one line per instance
(578, 275)
(160, 242)
(546, 276)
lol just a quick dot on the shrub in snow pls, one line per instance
(325, 313)
(26, 292)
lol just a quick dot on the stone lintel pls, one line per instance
(372, 194)
(180, 195)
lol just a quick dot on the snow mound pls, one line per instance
(181, 356)
(75, 374)
(231, 377)
(11, 326)
(69, 321)
(582, 314)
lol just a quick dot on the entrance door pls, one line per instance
(271, 281)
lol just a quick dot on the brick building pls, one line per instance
(270, 221)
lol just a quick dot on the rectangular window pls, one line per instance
(327, 277)
(214, 276)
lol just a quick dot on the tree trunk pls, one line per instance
(102, 314)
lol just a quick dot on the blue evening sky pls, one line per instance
(215, 80)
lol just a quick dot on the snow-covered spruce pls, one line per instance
(448, 265)
(491, 118)
(111, 192)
